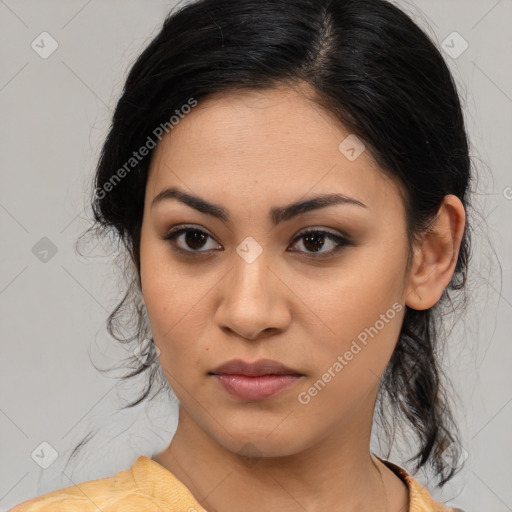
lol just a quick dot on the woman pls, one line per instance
(290, 181)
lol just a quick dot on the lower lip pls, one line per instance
(256, 388)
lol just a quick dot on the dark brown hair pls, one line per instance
(374, 69)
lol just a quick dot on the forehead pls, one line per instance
(275, 142)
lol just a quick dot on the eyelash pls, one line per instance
(339, 240)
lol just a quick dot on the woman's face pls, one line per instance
(251, 285)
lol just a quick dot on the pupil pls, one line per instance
(195, 237)
(318, 237)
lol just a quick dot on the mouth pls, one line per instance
(256, 369)
(255, 381)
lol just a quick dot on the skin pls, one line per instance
(248, 152)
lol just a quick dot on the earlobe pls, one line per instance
(436, 255)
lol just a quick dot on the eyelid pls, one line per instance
(322, 229)
(194, 227)
(185, 227)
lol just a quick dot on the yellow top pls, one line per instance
(149, 487)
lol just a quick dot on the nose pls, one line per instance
(254, 302)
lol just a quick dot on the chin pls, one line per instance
(261, 444)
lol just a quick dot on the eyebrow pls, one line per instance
(277, 214)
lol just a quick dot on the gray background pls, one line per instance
(55, 113)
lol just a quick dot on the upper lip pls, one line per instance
(260, 367)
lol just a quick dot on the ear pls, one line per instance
(436, 255)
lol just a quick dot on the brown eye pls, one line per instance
(191, 239)
(314, 241)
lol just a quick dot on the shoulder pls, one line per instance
(420, 499)
(119, 492)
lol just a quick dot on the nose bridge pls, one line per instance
(250, 303)
(251, 267)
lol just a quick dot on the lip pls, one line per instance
(254, 369)
(255, 381)
(256, 388)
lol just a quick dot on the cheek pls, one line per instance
(361, 316)
(175, 306)
(174, 309)
(348, 365)
(176, 325)
(163, 291)
(167, 292)
(354, 295)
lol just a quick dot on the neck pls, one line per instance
(333, 475)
